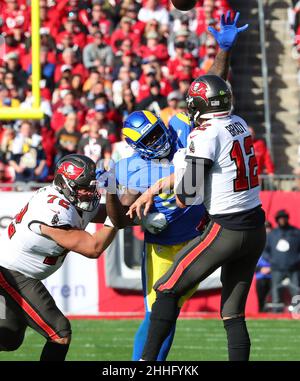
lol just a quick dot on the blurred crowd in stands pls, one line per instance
(100, 60)
(294, 23)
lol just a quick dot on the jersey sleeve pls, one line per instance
(51, 210)
(202, 144)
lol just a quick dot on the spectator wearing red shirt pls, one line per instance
(111, 112)
(5, 177)
(125, 48)
(7, 135)
(14, 16)
(124, 31)
(13, 46)
(154, 48)
(205, 15)
(265, 163)
(69, 62)
(187, 68)
(155, 102)
(47, 21)
(151, 70)
(99, 18)
(71, 27)
(65, 106)
(138, 26)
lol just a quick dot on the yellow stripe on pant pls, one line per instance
(158, 260)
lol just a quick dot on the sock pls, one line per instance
(141, 336)
(54, 351)
(162, 321)
(238, 339)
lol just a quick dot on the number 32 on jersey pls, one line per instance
(244, 182)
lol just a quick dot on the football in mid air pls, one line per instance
(184, 5)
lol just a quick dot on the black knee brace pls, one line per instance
(238, 339)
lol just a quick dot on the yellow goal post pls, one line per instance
(35, 112)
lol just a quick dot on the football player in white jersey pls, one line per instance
(35, 245)
(234, 239)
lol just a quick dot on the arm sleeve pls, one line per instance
(53, 215)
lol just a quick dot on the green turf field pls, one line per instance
(195, 340)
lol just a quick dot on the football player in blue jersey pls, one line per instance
(167, 227)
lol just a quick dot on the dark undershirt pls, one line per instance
(245, 220)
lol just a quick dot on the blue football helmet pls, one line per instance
(147, 134)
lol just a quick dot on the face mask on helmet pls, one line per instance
(83, 198)
(75, 179)
(208, 97)
(154, 141)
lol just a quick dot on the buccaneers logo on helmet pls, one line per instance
(70, 171)
(199, 89)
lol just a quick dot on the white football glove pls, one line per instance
(154, 222)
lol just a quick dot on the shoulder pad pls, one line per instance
(182, 117)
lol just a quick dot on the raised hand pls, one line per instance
(228, 32)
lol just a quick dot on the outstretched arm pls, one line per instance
(80, 241)
(225, 38)
(117, 209)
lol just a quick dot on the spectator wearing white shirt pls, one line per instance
(152, 10)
